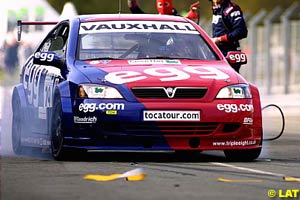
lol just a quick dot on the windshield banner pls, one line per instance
(134, 26)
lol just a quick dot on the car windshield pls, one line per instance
(102, 41)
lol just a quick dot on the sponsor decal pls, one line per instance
(105, 61)
(248, 120)
(134, 26)
(153, 62)
(229, 10)
(216, 18)
(85, 120)
(45, 56)
(96, 62)
(234, 108)
(98, 90)
(92, 107)
(36, 140)
(235, 143)
(238, 57)
(238, 92)
(111, 112)
(165, 74)
(42, 113)
(235, 13)
(171, 115)
(39, 81)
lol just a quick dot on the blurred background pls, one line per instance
(272, 46)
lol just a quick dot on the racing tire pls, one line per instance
(242, 155)
(57, 131)
(17, 125)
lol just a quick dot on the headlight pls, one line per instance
(239, 91)
(98, 91)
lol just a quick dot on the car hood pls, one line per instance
(162, 73)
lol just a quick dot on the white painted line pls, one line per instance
(248, 169)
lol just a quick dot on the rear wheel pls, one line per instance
(242, 155)
(17, 125)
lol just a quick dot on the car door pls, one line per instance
(40, 78)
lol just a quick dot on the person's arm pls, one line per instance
(236, 25)
(134, 7)
(194, 13)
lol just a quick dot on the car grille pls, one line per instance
(169, 92)
(167, 128)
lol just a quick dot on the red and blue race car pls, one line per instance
(123, 82)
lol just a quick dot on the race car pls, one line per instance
(134, 83)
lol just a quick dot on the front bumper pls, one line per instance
(124, 129)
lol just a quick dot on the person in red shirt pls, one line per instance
(165, 7)
(194, 13)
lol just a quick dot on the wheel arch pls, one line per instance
(19, 92)
(257, 106)
(257, 115)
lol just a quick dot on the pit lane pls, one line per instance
(204, 176)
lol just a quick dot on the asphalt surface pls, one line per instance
(203, 176)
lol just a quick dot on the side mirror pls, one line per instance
(236, 58)
(48, 58)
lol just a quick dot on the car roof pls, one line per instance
(104, 17)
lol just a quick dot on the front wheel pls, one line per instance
(57, 132)
(242, 155)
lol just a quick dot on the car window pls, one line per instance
(140, 44)
(56, 41)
